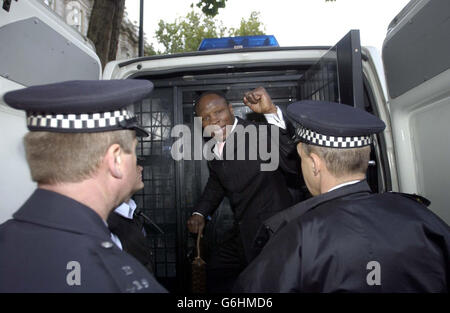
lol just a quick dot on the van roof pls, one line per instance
(220, 51)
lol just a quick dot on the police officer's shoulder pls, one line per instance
(416, 207)
(415, 197)
(128, 274)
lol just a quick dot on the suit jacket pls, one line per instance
(53, 240)
(329, 243)
(254, 195)
(132, 238)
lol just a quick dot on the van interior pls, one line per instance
(172, 189)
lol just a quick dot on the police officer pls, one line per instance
(81, 153)
(127, 222)
(346, 238)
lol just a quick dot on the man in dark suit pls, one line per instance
(81, 152)
(254, 194)
(346, 238)
(129, 228)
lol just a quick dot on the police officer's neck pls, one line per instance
(330, 181)
(88, 192)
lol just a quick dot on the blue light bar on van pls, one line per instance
(238, 42)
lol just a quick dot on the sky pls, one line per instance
(293, 22)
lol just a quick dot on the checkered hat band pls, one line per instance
(77, 121)
(314, 138)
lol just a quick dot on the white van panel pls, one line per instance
(415, 56)
(372, 67)
(42, 48)
(422, 140)
(15, 180)
(26, 61)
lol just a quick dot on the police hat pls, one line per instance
(82, 106)
(333, 125)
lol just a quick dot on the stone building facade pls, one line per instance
(77, 13)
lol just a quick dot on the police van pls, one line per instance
(408, 88)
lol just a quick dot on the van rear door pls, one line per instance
(338, 77)
(417, 66)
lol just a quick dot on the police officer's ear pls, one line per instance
(114, 161)
(317, 163)
(312, 161)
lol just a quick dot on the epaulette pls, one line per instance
(415, 197)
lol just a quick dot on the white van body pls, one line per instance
(415, 145)
(36, 47)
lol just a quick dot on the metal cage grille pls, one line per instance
(320, 82)
(157, 198)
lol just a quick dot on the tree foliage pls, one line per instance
(252, 26)
(105, 21)
(211, 7)
(149, 49)
(185, 34)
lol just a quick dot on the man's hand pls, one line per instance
(259, 101)
(196, 223)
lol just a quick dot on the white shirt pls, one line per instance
(344, 184)
(276, 118)
(126, 210)
(114, 238)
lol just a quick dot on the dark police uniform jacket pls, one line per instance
(132, 238)
(56, 244)
(254, 195)
(326, 244)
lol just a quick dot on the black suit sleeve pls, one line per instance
(289, 162)
(211, 196)
(289, 159)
